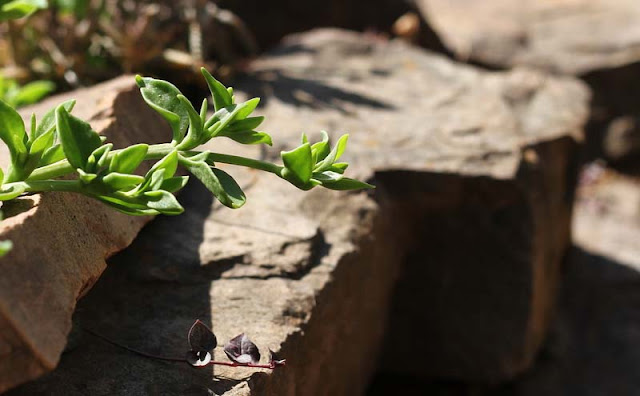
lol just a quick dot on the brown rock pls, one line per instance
(474, 175)
(301, 273)
(595, 39)
(61, 240)
(480, 164)
(592, 347)
(566, 36)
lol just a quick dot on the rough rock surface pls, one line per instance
(479, 165)
(289, 269)
(61, 240)
(593, 346)
(486, 158)
(566, 36)
(598, 40)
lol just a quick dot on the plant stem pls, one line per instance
(242, 161)
(48, 185)
(272, 365)
(157, 151)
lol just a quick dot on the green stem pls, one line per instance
(156, 151)
(242, 161)
(48, 185)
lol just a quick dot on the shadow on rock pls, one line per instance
(302, 92)
(593, 346)
(146, 301)
(592, 349)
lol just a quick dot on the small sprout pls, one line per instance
(241, 350)
(202, 341)
(201, 338)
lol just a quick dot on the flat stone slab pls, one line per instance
(474, 175)
(565, 36)
(61, 241)
(479, 166)
(287, 270)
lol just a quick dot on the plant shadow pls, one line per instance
(305, 92)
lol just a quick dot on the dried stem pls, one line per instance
(272, 365)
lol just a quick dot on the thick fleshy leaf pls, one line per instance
(248, 124)
(13, 133)
(122, 181)
(38, 147)
(147, 203)
(77, 138)
(347, 184)
(162, 96)
(169, 163)
(327, 176)
(42, 142)
(339, 167)
(98, 158)
(201, 338)
(14, 9)
(128, 160)
(223, 186)
(153, 182)
(48, 121)
(241, 350)
(174, 184)
(12, 192)
(321, 149)
(221, 97)
(51, 155)
(203, 110)
(164, 202)
(163, 169)
(134, 206)
(34, 91)
(248, 137)
(86, 177)
(195, 135)
(334, 155)
(225, 117)
(246, 108)
(298, 164)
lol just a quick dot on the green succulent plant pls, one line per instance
(61, 144)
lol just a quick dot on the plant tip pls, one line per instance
(140, 81)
